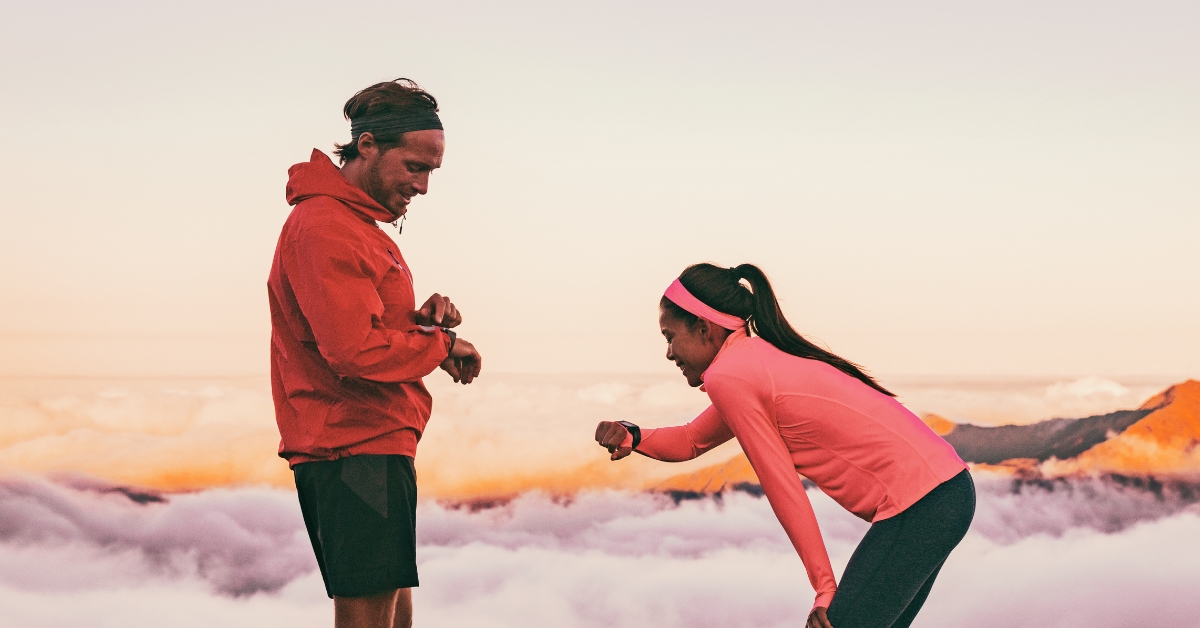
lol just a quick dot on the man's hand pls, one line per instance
(817, 619)
(611, 436)
(463, 363)
(438, 311)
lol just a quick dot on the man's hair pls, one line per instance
(399, 96)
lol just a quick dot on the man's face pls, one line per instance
(393, 177)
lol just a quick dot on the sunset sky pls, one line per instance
(997, 188)
(993, 206)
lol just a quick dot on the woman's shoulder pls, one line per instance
(757, 354)
(741, 363)
(754, 361)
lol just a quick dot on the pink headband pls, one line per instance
(684, 299)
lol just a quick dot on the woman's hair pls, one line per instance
(722, 290)
(388, 97)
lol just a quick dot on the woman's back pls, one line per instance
(796, 407)
(861, 447)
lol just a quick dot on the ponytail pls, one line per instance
(721, 289)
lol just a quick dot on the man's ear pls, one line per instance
(367, 146)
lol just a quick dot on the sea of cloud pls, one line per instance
(525, 521)
(502, 435)
(1065, 554)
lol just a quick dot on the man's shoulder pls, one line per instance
(322, 213)
(317, 210)
(322, 227)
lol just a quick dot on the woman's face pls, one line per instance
(693, 348)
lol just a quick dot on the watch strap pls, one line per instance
(633, 429)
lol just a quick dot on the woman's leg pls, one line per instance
(906, 618)
(890, 573)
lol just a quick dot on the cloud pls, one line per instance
(1144, 576)
(175, 604)
(1061, 555)
(1087, 387)
(240, 542)
(173, 435)
(1011, 510)
(521, 525)
(523, 528)
(597, 558)
(499, 437)
(521, 433)
(610, 522)
(1085, 578)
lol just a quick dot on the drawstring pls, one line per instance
(399, 224)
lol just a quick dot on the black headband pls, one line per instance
(396, 122)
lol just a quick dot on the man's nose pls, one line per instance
(421, 185)
(670, 354)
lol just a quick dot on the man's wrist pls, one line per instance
(634, 430)
(453, 339)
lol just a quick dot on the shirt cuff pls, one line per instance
(823, 601)
(628, 442)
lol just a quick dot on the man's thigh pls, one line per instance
(391, 609)
(361, 516)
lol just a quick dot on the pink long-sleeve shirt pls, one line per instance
(793, 415)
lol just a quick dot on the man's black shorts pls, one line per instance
(361, 514)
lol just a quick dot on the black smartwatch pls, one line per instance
(453, 339)
(633, 429)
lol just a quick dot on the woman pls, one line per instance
(794, 407)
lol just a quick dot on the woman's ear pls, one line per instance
(710, 332)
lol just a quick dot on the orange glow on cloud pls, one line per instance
(182, 435)
(492, 439)
(167, 437)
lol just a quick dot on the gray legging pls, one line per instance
(892, 570)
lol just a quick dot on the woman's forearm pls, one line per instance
(669, 444)
(685, 442)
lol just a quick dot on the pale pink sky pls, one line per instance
(936, 188)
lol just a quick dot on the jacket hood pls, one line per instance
(319, 177)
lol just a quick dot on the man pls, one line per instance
(349, 349)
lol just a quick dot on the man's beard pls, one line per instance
(373, 185)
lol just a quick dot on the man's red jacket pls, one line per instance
(347, 356)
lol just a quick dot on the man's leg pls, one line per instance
(360, 512)
(391, 609)
(403, 618)
(367, 611)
